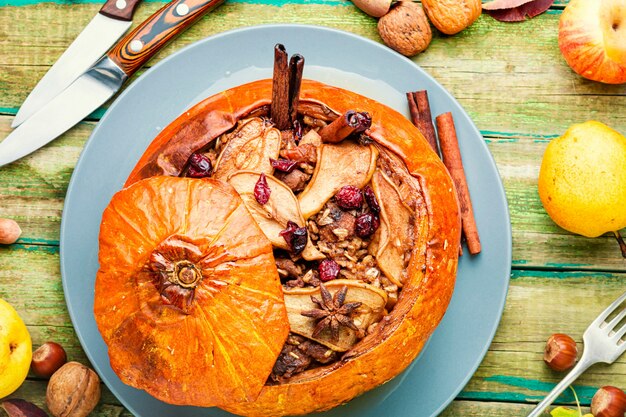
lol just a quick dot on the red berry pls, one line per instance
(262, 190)
(349, 197)
(371, 200)
(328, 270)
(297, 130)
(296, 237)
(284, 165)
(366, 224)
(199, 166)
(361, 121)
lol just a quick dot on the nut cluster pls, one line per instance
(405, 27)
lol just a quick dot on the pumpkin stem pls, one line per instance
(186, 274)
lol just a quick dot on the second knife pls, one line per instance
(103, 79)
(111, 22)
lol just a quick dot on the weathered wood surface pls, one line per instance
(510, 78)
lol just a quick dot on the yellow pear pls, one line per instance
(582, 180)
(15, 350)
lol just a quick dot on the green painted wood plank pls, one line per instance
(542, 95)
(540, 303)
(461, 408)
(32, 190)
(34, 391)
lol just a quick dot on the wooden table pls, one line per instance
(511, 79)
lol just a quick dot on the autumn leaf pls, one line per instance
(567, 412)
(516, 10)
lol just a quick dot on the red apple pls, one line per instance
(592, 38)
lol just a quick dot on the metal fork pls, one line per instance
(602, 343)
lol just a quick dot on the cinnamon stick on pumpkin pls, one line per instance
(279, 111)
(296, 67)
(451, 155)
(348, 123)
(286, 82)
(419, 107)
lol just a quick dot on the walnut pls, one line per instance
(405, 28)
(73, 391)
(452, 16)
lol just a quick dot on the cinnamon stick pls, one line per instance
(348, 123)
(279, 111)
(451, 155)
(419, 106)
(296, 67)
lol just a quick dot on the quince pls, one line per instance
(582, 180)
(15, 349)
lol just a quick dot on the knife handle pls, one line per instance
(120, 9)
(150, 36)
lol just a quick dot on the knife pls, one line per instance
(102, 79)
(111, 22)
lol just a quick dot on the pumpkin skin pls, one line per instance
(182, 343)
(431, 272)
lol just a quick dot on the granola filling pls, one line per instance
(340, 217)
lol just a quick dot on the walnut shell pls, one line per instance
(73, 391)
(405, 28)
(452, 16)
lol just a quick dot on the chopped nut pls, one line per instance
(341, 233)
(372, 273)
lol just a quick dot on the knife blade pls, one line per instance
(103, 79)
(109, 24)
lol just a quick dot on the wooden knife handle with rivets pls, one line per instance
(120, 9)
(136, 48)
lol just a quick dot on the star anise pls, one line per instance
(332, 313)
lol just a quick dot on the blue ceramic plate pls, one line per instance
(458, 345)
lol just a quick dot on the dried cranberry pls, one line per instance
(371, 200)
(199, 166)
(296, 237)
(262, 190)
(284, 165)
(297, 130)
(366, 224)
(328, 270)
(349, 197)
(360, 121)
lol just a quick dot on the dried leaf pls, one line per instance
(516, 10)
(567, 412)
(21, 408)
(504, 4)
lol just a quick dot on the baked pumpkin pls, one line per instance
(363, 231)
(185, 276)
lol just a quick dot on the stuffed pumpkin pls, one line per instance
(279, 249)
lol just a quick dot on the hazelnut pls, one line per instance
(47, 359)
(73, 391)
(608, 401)
(452, 16)
(9, 231)
(560, 352)
(405, 28)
